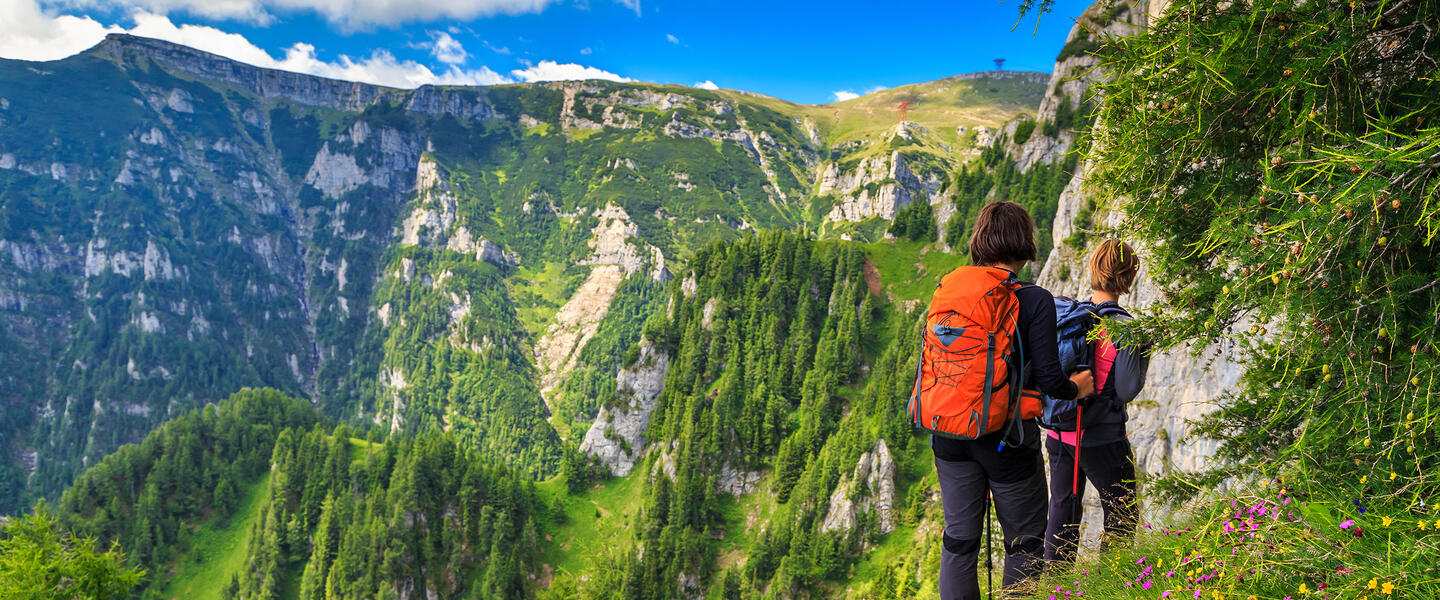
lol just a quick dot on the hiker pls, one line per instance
(1105, 457)
(984, 437)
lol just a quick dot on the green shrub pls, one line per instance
(1023, 130)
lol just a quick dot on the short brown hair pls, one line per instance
(1112, 267)
(1004, 233)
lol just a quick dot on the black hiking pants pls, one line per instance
(1016, 479)
(1111, 467)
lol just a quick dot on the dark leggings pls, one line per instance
(1019, 497)
(1111, 468)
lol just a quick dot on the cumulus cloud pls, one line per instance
(706, 85)
(447, 49)
(28, 33)
(351, 14)
(843, 95)
(549, 70)
(670, 37)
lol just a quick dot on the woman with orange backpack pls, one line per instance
(988, 350)
(1097, 450)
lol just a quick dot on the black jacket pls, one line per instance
(1123, 384)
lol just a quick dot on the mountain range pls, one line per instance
(665, 321)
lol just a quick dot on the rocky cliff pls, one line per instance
(1181, 386)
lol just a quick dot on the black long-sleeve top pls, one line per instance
(1123, 384)
(1036, 336)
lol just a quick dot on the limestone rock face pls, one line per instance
(1072, 77)
(895, 185)
(616, 253)
(1180, 386)
(870, 488)
(736, 481)
(616, 436)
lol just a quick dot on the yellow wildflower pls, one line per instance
(1386, 521)
(1363, 478)
(1388, 588)
(1372, 584)
(1393, 475)
(1304, 589)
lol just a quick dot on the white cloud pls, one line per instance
(350, 14)
(502, 50)
(549, 70)
(586, 51)
(706, 85)
(27, 33)
(843, 95)
(670, 37)
(448, 50)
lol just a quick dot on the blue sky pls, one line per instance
(804, 51)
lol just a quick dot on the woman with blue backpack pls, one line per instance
(1087, 441)
(988, 352)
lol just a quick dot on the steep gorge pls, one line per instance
(177, 225)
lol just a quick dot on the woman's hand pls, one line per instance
(1085, 381)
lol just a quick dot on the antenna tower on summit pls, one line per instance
(999, 64)
(903, 106)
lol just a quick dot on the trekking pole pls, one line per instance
(1079, 511)
(989, 551)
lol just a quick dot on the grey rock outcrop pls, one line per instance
(616, 253)
(1072, 78)
(870, 488)
(616, 437)
(893, 182)
(1181, 386)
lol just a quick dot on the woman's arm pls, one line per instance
(1129, 372)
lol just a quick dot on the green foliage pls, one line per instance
(140, 496)
(1274, 543)
(423, 514)
(1303, 205)
(1083, 44)
(915, 221)
(998, 179)
(1023, 130)
(776, 326)
(39, 560)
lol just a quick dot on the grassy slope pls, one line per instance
(215, 551)
(909, 270)
(594, 520)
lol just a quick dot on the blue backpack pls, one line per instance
(1073, 321)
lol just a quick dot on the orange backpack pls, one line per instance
(970, 373)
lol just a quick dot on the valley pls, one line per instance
(559, 340)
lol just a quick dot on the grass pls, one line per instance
(1271, 543)
(215, 551)
(539, 294)
(910, 270)
(595, 520)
